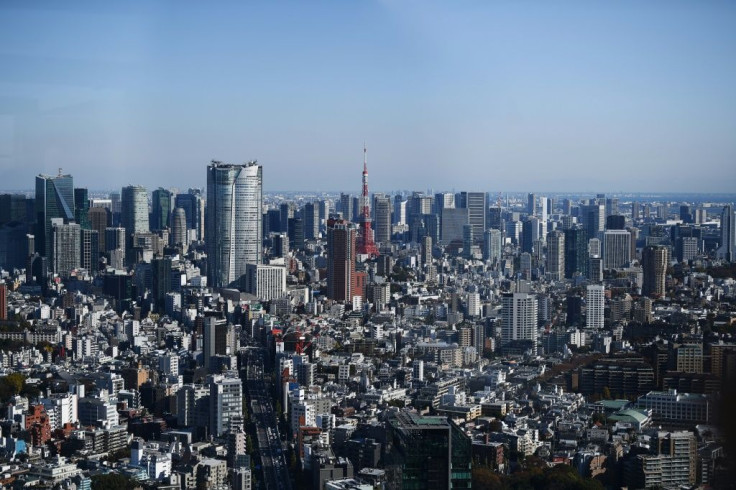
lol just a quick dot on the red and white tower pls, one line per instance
(366, 245)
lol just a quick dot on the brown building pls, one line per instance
(341, 281)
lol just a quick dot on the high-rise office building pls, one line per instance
(595, 301)
(494, 219)
(531, 207)
(179, 228)
(727, 249)
(556, 255)
(543, 218)
(475, 203)
(452, 222)
(99, 219)
(266, 282)
(191, 203)
(654, 261)
(518, 318)
(115, 246)
(382, 221)
(234, 223)
(530, 233)
(443, 200)
(593, 218)
(611, 206)
(635, 211)
(66, 247)
(399, 215)
(616, 249)
(134, 209)
(426, 251)
(468, 231)
(161, 209)
(81, 208)
(90, 249)
(341, 237)
(217, 341)
(431, 452)
(492, 245)
(226, 402)
(346, 206)
(54, 199)
(310, 220)
(160, 281)
(576, 252)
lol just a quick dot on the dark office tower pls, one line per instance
(356, 209)
(287, 212)
(576, 252)
(81, 207)
(531, 206)
(90, 250)
(686, 214)
(279, 245)
(468, 241)
(382, 212)
(615, 222)
(432, 226)
(325, 208)
(341, 236)
(567, 206)
(574, 310)
(310, 219)
(191, 203)
(492, 245)
(611, 206)
(54, 199)
(529, 234)
(635, 211)
(726, 251)
(99, 220)
(179, 229)
(234, 221)
(115, 208)
(475, 202)
(654, 261)
(3, 302)
(443, 200)
(494, 218)
(556, 255)
(134, 209)
(216, 335)
(115, 247)
(273, 221)
(161, 209)
(161, 282)
(296, 233)
(66, 247)
(346, 207)
(647, 211)
(593, 219)
(12, 208)
(427, 452)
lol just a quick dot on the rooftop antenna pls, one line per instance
(60, 172)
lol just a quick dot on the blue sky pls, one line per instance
(510, 96)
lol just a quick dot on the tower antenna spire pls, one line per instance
(366, 245)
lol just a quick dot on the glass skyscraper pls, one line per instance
(234, 226)
(54, 199)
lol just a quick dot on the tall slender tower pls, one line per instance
(366, 245)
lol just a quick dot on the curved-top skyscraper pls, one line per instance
(233, 221)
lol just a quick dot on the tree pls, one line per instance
(112, 481)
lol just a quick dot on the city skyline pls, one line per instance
(625, 98)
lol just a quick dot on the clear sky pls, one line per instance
(487, 95)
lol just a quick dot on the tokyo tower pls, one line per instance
(366, 245)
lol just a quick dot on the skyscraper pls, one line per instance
(191, 203)
(179, 229)
(81, 207)
(341, 237)
(54, 199)
(593, 218)
(134, 209)
(226, 402)
(531, 206)
(654, 261)
(90, 249)
(468, 231)
(616, 249)
(475, 202)
(66, 247)
(518, 318)
(234, 223)
(160, 209)
(556, 255)
(99, 220)
(594, 306)
(727, 250)
(492, 245)
(382, 212)
(576, 252)
(310, 220)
